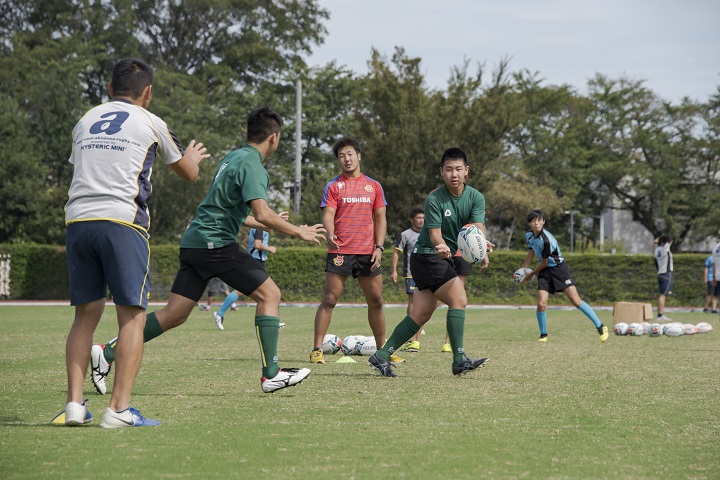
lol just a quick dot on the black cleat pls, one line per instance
(384, 367)
(468, 364)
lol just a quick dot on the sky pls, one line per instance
(673, 45)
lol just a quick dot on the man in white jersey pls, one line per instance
(114, 148)
(716, 266)
(664, 264)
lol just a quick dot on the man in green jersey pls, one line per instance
(209, 248)
(447, 210)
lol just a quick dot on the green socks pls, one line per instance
(456, 332)
(402, 333)
(267, 330)
(152, 330)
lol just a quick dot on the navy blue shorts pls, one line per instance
(102, 254)
(665, 283)
(231, 264)
(555, 279)
(350, 264)
(714, 291)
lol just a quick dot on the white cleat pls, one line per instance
(100, 368)
(285, 378)
(219, 320)
(77, 414)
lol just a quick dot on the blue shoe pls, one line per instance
(130, 417)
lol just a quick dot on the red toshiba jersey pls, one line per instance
(354, 201)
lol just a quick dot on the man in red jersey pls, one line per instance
(354, 215)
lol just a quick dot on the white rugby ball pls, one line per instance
(646, 328)
(673, 330)
(635, 329)
(366, 346)
(704, 327)
(621, 328)
(331, 344)
(349, 343)
(656, 330)
(689, 329)
(521, 273)
(471, 244)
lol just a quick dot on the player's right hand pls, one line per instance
(393, 276)
(312, 233)
(196, 152)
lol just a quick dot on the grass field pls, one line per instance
(632, 408)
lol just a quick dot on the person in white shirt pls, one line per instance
(664, 265)
(113, 151)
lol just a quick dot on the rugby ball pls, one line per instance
(331, 344)
(656, 330)
(704, 327)
(635, 329)
(673, 330)
(646, 328)
(521, 273)
(620, 328)
(471, 244)
(366, 346)
(689, 329)
(349, 343)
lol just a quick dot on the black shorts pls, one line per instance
(231, 264)
(431, 271)
(350, 264)
(462, 266)
(714, 291)
(665, 283)
(555, 279)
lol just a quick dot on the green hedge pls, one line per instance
(40, 272)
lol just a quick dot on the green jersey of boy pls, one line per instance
(449, 214)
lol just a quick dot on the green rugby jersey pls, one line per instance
(449, 214)
(240, 178)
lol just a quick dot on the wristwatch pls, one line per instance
(382, 249)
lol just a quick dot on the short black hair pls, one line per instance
(664, 238)
(415, 212)
(130, 77)
(535, 214)
(453, 154)
(261, 123)
(343, 142)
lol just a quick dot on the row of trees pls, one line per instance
(531, 145)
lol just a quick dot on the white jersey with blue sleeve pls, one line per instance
(114, 148)
(663, 259)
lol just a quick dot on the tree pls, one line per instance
(652, 160)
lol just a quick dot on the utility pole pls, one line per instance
(298, 149)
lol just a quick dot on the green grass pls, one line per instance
(633, 408)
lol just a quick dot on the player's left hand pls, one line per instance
(490, 246)
(443, 250)
(375, 259)
(284, 215)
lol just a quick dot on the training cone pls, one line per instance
(345, 360)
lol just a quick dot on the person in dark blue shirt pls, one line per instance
(553, 274)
